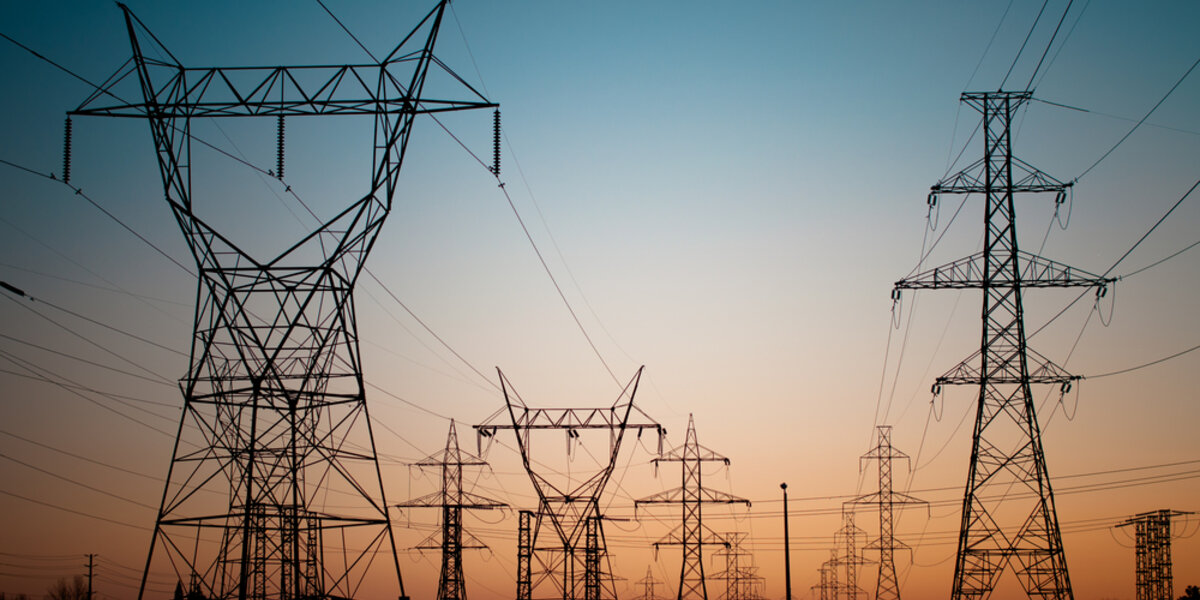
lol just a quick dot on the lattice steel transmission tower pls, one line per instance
(827, 589)
(1152, 539)
(575, 564)
(275, 415)
(691, 534)
(648, 584)
(847, 539)
(452, 499)
(742, 581)
(1008, 508)
(887, 587)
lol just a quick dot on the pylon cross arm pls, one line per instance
(1033, 272)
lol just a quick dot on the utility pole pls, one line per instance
(691, 495)
(571, 509)
(1008, 514)
(887, 587)
(787, 547)
(1152, 536)
(274, 405)
(452, 499)
(90, 564)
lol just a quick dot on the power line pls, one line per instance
(1050, 43)
(1139, 123)
(73, 511)
(1143, 366)
(1016, 58)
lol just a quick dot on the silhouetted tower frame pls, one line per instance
(648, 584)
(847, 539)
(691, 533)
(741, 577)
(274, 391)
(452, 499)
(1152, 553)
(1004, 368)
(577, 557)
(887, 587)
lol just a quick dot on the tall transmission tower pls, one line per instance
(1152, 539)
(452, 499)
(1008, 515)
(887, 587)
(275, 415)
(691, 534)
(574, 565)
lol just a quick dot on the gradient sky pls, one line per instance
(725, 192)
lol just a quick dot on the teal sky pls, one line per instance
(725, 192)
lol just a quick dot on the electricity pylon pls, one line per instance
(827, 589)
(847, 539)
(452, 499)
(573, 565)
(1008, 510)
(1152, 536)
(275, 415)
(691, 534)
(742, 581)
(887, 587)
(648, 584)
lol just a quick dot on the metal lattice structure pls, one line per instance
(575, 562)
(742, 581)
(887, 587)
(1152, 552)
(848, 539)
(649, 583)
(275, 417)
(1008, 515)
(691, 534)
(452, 499)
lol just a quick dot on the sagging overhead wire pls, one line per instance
(1140, 121)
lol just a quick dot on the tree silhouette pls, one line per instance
(74, 588)
(1191, 593)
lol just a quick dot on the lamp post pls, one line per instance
(787, 546)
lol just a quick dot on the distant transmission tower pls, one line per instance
(648, 584)
(275, 415)
(691, 534)
(887, 587)
(452, 499)
(1152, 536)
(827, 589)
(847, 538)
(573, 565)
(742, 581)
(1008, 511)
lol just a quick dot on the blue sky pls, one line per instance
(725, 192)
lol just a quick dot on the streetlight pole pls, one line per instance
(787, 546)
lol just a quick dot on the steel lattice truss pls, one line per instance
(1152, 539)
(1008, 516)
(742, 581)
(887, 587)
(691, 534)
(648, 584)
(452, 499)
(274, 488)
(575, 562)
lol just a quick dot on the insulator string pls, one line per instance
(67, 152)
